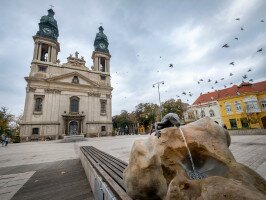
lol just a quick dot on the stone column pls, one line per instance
(39, 51)
(53, 55)
(108, 64)
(49, 54)
(35, 50)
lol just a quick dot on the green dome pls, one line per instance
(48, 26)
(101, 41)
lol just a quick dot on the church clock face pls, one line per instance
(102, 45)
(47, 30)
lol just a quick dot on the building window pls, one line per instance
(263, 104)
(103, 106)
(252, 106)
(238, 106)
(35, 131)
(103, 128)
(102, 64)
(244, 122)
(42, 68)
(103, 78)
(44, 53)
(233, 123)
(228, 108)
(75, 80)
(38, 103)
(202, 113)
(211, 113)
(74, 104)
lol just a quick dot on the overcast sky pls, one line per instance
(145, 36)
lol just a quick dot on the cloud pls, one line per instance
(145, 37)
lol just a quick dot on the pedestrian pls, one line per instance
(6, 141)
(3, 139)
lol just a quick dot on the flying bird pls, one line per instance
(259, 50)
(262, 20)
(242, 28)
(231, 83)
(209, 80)
(160, 56)
(212, 87)
(216, 82)
(198, 82)
(177, 96)
(201, 79)
(225, 46)
(251, 80)
(222, 79)
(184, 93)
(171, 65)
(250, 70)
(190, 95)
(236, 38)
(237, 19)
(232, 63)
(231, 74)
(224, 86)
(245, 76)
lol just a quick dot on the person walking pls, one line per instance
(6, 141)
(3, 139)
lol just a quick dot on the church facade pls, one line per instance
(70, 98)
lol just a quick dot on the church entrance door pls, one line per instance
(73, 128)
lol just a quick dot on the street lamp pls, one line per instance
(158, 85)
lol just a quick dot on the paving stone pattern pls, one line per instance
(53, 169)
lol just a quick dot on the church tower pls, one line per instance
(68, 99)
(46, 47)
(100, 55)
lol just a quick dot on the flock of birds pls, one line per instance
(214, 82)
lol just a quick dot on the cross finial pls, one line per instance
(51, 6)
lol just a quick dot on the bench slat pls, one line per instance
(117, 176)
(103, 172)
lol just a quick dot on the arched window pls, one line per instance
(38, 103)
(102, 64)
(75, 80)
(211, 113)
(202, 113)
(74, 104)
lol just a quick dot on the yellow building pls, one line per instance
(243, 106)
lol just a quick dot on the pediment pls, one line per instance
(68, 78)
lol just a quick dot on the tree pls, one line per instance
(5, 121)
(173, 106)
(123, 120)
(147, 114)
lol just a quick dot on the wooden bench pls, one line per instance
(109, 168)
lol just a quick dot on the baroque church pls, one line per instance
(69, 98)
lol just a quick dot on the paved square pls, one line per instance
(22, 160)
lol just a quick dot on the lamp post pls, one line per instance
(158, 85)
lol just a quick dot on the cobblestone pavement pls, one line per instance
(26, 157)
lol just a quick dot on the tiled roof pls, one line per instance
(232, 91)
